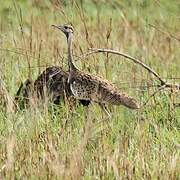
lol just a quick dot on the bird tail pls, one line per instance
(17, 96)
(118, 98)
(126, 100)
(23, 93)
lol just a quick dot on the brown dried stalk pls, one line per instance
(95, 50)
(137, 61)
(5, 98)
(162, 84)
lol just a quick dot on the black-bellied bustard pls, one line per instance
(89, 87)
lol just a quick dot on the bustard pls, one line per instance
(89, 87)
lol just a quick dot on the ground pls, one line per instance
(54, 142)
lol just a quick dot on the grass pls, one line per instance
(36, 143)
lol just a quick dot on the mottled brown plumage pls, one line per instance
(52, 83)
(89, 87)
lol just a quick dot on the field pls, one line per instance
(47, 141)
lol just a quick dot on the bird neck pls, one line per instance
(70, 58)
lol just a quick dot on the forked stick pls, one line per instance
(137, 61)
(95, 50)
(162, 85)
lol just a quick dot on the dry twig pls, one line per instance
(137, 61)
(163, 84)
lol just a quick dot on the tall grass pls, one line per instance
(52, 142)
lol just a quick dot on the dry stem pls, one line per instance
(162, 84)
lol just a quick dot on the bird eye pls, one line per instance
(65, 27)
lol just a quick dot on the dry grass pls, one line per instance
(37, 143)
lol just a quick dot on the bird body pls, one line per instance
(85, 86)
(54, 82)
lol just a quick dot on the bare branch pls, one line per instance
(162, 85)
(95, 50)
(137, 61)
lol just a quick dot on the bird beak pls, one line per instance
(58, 27)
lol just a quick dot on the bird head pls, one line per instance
(66, 29)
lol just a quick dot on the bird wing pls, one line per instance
(90, 87)
(53, 79)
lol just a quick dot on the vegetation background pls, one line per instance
(36, 143)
